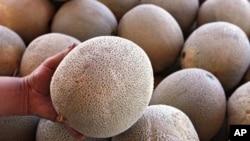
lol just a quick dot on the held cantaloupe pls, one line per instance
(18, 128)
(154, 30)
(43, 47)
(199, 94)
(84, 19)
(160, 123)
(220, 48)
(102, 86)
(12, 48)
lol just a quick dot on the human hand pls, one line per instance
(37, 86)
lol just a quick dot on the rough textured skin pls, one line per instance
(84, 19)
(199, 94)
(223, 133)
(184, 11)
(156, 31)
(160, 123)
(238, 105)
(11, 51)
(235, 12)
(97, 139)
(102, 87)
(43, 47)
(18, 128)
(52, 131)
(29, 18)
(120, 7)
(220, 48)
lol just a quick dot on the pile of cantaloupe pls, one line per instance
(142, 70)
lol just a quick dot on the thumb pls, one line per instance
(53, 61)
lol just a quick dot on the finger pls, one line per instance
(74, 133)
(45, 110)
(53, 61)
(51, 114)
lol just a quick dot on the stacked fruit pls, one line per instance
(142, 69)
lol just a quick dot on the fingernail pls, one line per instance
(59, 118)
(72, 46)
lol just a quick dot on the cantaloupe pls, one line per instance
(238, 108)
(223, 133)
(102, 87)
(11, 50)
(18, 128)
(184, 11)
(119, 8)
(29, 18)
(160, 123)
(52, 131)
(43, 47)
(235, 12)
(154, 30)
(84, 19)
(199, 94)
(221, 48)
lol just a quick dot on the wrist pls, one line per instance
(24, 94)
(13, 96)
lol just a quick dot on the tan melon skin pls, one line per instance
(18, 128)
(119, 8)
(235, 12)
(154, 30)
(84, 19)
(160, 123)
(53, 131)
(238, 108)
(12, 48)
(29, 18)
(197, 93)
(102, 87)
(184, 11)
(221, 48)
(42, 48)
